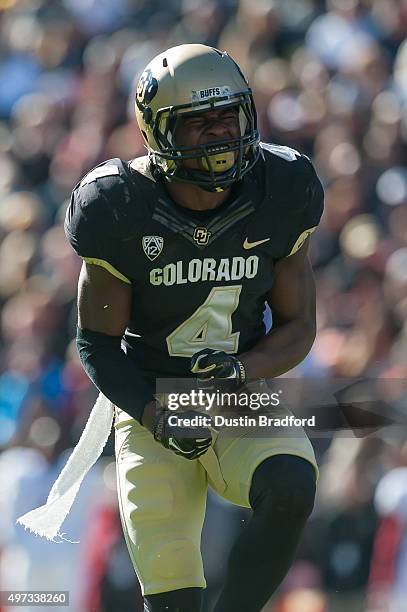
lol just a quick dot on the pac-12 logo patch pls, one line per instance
(152, 246)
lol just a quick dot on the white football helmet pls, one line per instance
(192, 79)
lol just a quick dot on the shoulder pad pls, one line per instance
(295, 195)
(99, 172)
(97, 217)
(287, 162)
(289, 175)
(114, 192)
(286, 153)
(142, 166)
(109, 168)
(99, 200)
(108, 180)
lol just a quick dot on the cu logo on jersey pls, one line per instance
(201, 236)
(152, 246)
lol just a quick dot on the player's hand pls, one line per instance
(188, 442)
(210, 364)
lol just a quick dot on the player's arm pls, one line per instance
(292, 302)
(104, 303)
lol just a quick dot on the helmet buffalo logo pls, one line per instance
(152, 246)
(147, 87)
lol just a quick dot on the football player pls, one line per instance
(181, 250)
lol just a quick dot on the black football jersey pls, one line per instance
(199, 278)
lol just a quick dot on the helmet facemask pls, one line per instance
(222, 162)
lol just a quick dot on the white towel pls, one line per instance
(46, 520)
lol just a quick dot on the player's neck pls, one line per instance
(190, 196)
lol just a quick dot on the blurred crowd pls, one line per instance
(330, 79)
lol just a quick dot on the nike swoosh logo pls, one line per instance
(250, 245)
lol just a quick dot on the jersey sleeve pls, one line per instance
(92, 225)
(308, 214)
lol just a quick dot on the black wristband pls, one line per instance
(241, 370)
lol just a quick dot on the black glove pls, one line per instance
(189, 442)
(209, 363)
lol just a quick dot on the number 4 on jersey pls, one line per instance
(210, 326)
